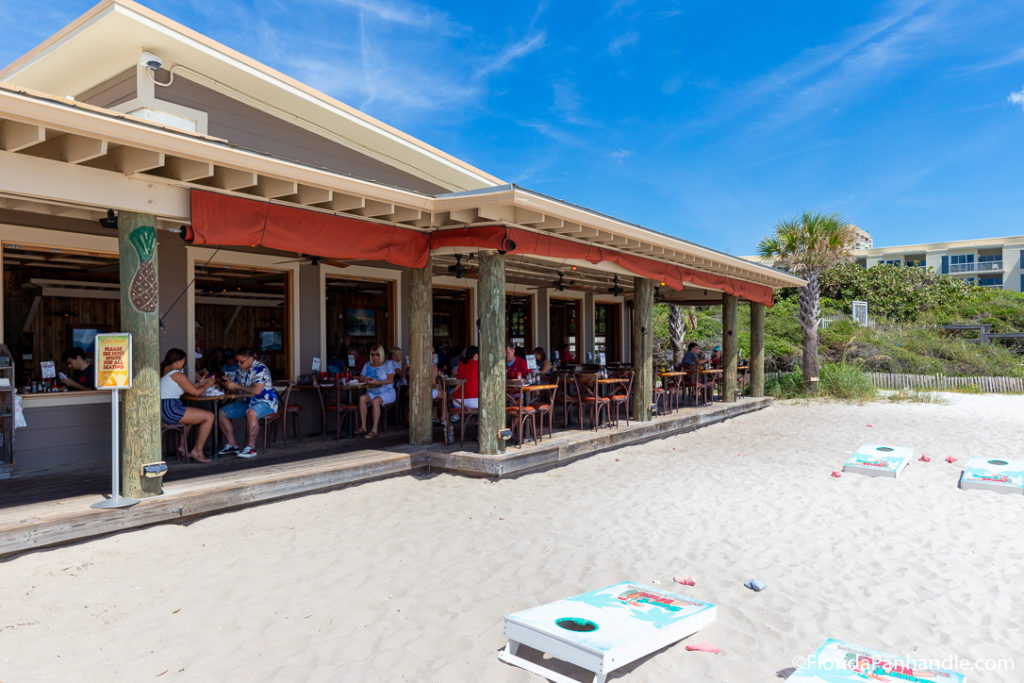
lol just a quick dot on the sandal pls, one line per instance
(360, 431)
(371, 435)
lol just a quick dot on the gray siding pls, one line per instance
(309, 317)
(62, 435)
(111, 92)
(253, 129)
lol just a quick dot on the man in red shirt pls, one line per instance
(517, 368)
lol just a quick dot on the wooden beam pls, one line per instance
(503, 214)
(140, 407)
(231, 320)
(568, 229)
(312, 195)
(131, 160)
(346, 202)
(491, 309)
(274, 188)
(421, 366)
(374, 209)
(756, 372)
(730, 345)
(643, 348)
(404, 214)
(74, 149)
(232, 179)
(464, 216)
(528, 217)
(186, 170)
(30, 317)
(15, 135)
(548, 223)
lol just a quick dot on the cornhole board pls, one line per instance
(839, 662)
(879, 461)
(993, 474)
(603, 629)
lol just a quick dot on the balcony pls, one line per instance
(976, 267)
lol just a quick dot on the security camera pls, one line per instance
(151, 60)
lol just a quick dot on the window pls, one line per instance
(890, 262)
(987, 258)
(961, 263)
(990, 282)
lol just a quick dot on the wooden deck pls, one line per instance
(49, 508)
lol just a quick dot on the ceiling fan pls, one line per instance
(560, 284)
(457, 268)
(615, 290)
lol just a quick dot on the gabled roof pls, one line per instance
(109, 38)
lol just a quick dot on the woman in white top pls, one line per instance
(174, 383)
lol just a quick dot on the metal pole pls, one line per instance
(115, 500)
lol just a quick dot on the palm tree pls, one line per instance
(806, 246)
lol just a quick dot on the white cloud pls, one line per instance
(1017, 98)
(625, 40)
(621, 154)
(406, 14)
(502, 60)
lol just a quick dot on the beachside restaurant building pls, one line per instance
(156, 182)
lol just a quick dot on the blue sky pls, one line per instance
(706, 120)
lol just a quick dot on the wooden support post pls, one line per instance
(729, 348)
(491, 309)
(421, 367)
(643, 348)
(756, 371)
(140, 405)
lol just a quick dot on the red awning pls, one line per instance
(232, 221)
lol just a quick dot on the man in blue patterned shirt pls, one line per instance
(252, 377)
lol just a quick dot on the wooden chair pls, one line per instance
(180, 434)
(518, 412)
(700, 388)
(674, 389)
(545, 406)
(619, 400)
(462, 411)
(441, 403)
(392, 409)
(271, 422)
(590, 398)
(340, 409)
(659, 397)
(570, 396)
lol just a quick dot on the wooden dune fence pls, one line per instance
(996, 385)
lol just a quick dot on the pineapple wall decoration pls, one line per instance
(143, 291)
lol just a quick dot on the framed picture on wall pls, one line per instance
(361, 322)
(271, 341)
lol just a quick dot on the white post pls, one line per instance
(115, 500)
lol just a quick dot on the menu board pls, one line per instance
(114, 361)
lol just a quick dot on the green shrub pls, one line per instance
(844, 381)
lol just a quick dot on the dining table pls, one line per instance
(217, 400)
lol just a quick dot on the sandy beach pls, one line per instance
(408, 578)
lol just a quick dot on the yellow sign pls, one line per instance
(114, 361)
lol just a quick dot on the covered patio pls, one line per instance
(137, 204)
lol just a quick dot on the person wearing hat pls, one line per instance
(716, 357)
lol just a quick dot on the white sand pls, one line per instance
(408, 578)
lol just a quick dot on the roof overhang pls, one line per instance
(85, 159)
(110, 37)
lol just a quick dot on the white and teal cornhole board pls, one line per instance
(993, 474)
(879, 461)
(604, 629)
(839, 662)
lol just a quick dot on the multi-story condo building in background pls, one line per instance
(991, 262)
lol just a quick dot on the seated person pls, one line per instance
(398, 365)
(379, 375)
(174, 383)
(566, 357)
(692, 356)
(468, 393)
(82, 377)
(355, 358)
(515, 365)
(543, 364)
(253, 377)
(229, 368)
(716, 357)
